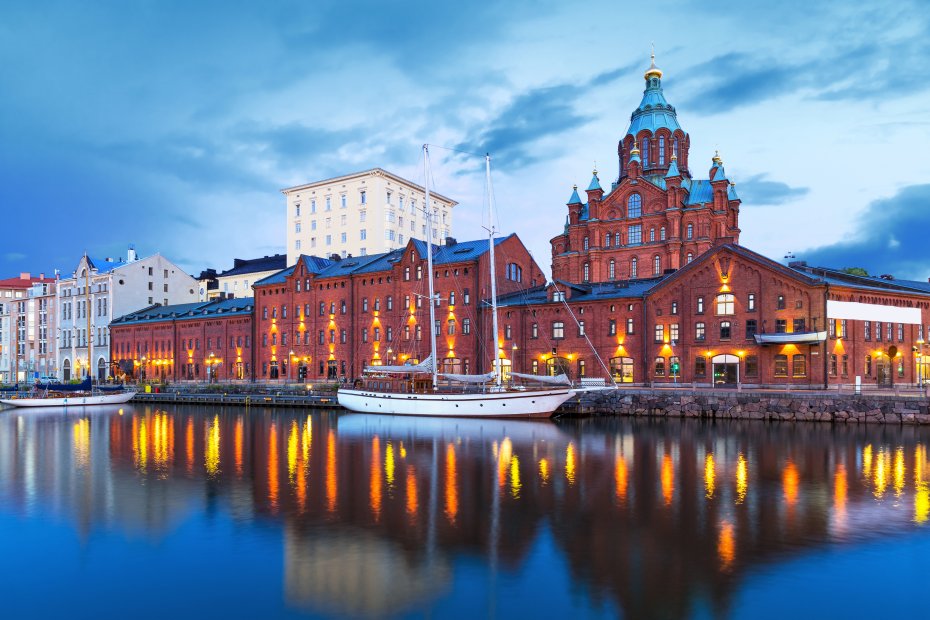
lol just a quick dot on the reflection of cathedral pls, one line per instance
(375, 512)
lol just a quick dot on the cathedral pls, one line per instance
(656, 216)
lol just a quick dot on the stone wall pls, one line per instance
(877, 409)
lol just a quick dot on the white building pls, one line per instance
(238, 281)
(100, 290)
(363, 213)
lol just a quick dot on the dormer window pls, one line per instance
(558, 296)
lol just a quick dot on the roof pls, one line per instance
(365, 173)
(837, 277)
(254, 265)
(621, 289)
(595, 183)
(313, 264)
(181, 312)
(23, 283)
(654, 112)
(574, 200)
(460, 252)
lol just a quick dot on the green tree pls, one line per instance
(855, 271)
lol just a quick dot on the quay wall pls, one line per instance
(814, 407)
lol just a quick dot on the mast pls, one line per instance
(87, 309)
(429, 267)
(491, 231)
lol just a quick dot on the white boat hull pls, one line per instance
(78, 400)
(532, 403)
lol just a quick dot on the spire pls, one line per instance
(653, 70)
(595, 183)
(717, 173)
(673, 169)
(574, 200)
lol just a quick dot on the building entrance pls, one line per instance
(726, 370)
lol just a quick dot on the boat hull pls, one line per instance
(529, 404)
(78, 400)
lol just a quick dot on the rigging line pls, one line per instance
(588, 340)
(450, 148)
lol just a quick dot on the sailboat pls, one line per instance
(415, 389)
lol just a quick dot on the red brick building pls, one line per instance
(330, 318)
(205, 341)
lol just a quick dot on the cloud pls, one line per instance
(890, 237)
(758, 191)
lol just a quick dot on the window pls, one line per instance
(781, 326)
(690, 231)
(844, 369)
(660, 333)
(466, 296)
(364, 304)
(724, 330)
(297, 210)
(652, 234)
(329, 203)
(607, 240)
(700, 366)
(751, 302)
(833, 365)
(584, 243)
(699, 306)
(466, 326)
(661, 150)
(868, 365)
(363, 197)
(781, 365)
(689, 258)
(662, 234)
(780, 303)
(617, 239)
(673, 333)
(656, 265)
(586, 273)
(867, 327)
(363, 234)
(634, 234)
(750, 328)
(660, 367)
(390, 302)
(900, 330)
(611, 327)
(674, 308)
(645, 153)
(629, 326)
(612, 270)
(799, 366)
(752, 366)
(634, 206)
(878, 331)
(699, 330)
(800, 325)
(888, 328)
(726, 304)
(558, 329)
(342, 201)
(634, 268)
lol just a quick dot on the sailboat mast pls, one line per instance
(87, 307)
(429, 267)
(491, 231)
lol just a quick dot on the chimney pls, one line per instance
(42, 276)
(450, 241)
(131, 254)
(24, 275)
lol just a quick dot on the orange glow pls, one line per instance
(709, 476)
(839, 348)
(742, 478)
(867, 461)
(899, 472)
(880, 473)
(503, 459)
(293, 438)
(237, 445)
(790, 484)
(452, 498)
(544, 470)
(515, 485)
(82, 443)
(389, 465)
(789, 349)
(211, 456)
(412, 491)
(189, 444)
(273, 467)
(840, 492)
(330, 474)
(921, 490)
(375, 478)
(726, 545)
(570, 462)
(668, 479)
(620, 478)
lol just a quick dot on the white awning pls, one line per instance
(791, 338)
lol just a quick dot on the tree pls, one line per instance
(855, 271)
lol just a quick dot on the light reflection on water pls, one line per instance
(350, 514)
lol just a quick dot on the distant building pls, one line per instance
(238, 281)
(358, 214)
(27, 328)
(101, 289)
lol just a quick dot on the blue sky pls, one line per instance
(172, 125)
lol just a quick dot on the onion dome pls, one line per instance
(717, 173)
(654, 112)
(634, 154)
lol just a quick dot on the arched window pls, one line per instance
(725, 304)
(661, 150)
(617, 238)
(690, 233)
(662, 234)
(675, 147)
(612, 269)
(585, 243)
(634, 268)
(634, 206)
(690, 257)
(645, 153)
(607, 240)
(586, 273)
(656, 265)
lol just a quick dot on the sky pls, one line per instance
(173, 126)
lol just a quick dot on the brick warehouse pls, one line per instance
(649, 274)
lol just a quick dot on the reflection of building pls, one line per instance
(357, 573)
(358, 214)
(104, 289)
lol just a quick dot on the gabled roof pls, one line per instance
(622, 289)
(181, 312)
(23, 283)
(313, 264)
(460, 252)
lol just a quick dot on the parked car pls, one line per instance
(48, 379)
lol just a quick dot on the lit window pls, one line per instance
(725, 304)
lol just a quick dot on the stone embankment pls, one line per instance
(818, 407)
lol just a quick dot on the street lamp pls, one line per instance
(290, 362)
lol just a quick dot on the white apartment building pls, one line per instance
(100, 290)
(363, 213)
(27, 328)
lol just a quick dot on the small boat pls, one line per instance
(69, 395)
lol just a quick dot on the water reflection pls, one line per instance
(649, 518)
